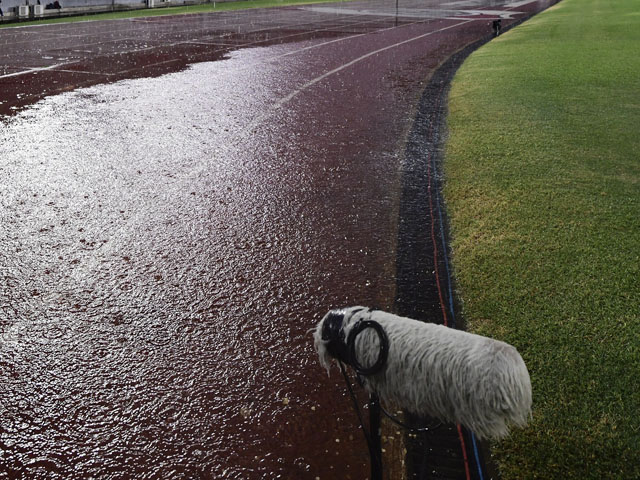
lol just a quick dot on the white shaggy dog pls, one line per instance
(434, 371)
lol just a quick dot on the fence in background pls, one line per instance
(16, 10)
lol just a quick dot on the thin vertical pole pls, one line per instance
(397, 13)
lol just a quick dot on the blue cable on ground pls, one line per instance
(451, 307)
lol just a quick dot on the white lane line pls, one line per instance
(518, 4)
(391, 12)
(350, 37)
(288, 98)
(462, 3)
(80, 36)
(310, 83)
(32, 70)
(52, 67)
(293, 52)
(86, 72)
(508, 15)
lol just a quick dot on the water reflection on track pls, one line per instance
(166, 243)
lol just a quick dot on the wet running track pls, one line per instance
(182, 199)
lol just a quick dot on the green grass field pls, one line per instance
(542, 188)
(182, 10)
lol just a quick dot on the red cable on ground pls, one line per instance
(464, 452)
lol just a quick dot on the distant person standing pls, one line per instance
(497, 27)
(1, 14)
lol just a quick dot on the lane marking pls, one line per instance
(33, 70)
(498, 13)
(518, 4)
(63, 64)
(391, 12)
(277, 57)
(312, 82)
(86, 72)
(304, 87)
(463, 3)
(421, 13)
(168, 28)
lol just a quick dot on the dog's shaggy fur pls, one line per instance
(440, 372)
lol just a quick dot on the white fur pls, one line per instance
(441, 372)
